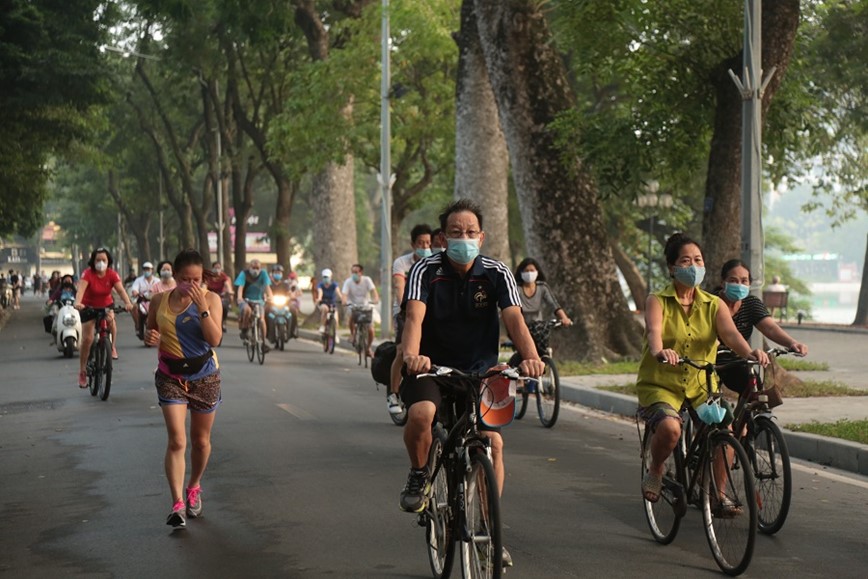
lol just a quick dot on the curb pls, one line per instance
(842, 454)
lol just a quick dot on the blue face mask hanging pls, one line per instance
(735, 291)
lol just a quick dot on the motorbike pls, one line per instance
(280, 319)
(143, 303)
(66, 329)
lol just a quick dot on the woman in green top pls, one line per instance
(680, 321)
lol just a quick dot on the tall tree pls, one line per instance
(563, 217)
(481, 157)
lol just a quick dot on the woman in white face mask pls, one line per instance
(536, 295)
(167, 279)
(95, 291)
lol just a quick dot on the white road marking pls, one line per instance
(296, 411)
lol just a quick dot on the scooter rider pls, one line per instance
(279, 287)
(141, 289)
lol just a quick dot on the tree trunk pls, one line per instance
(334, 224)
(721, 223)
(286, 190)
(563, 217)
(481, 158)
(242, 203)
(862, 304)
(635, 281)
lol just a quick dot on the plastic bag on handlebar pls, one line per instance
(497, 401)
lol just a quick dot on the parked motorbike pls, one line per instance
(280, 319)
(66, 329)
(143, 303)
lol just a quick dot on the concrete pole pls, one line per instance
(220, 223)
(385, 180)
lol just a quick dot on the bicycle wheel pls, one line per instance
(767, 451)
(105, 384)
(260, 343)
(729, 505)
(331, 332)
(250, 344)
(438, 517)
(362, 338)
(664, 516)
(94, 378)
(548, 394)
(482, 553)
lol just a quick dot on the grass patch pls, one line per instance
(629, 389)
(854, 430)
(802, 365)
(573, 368)
(813, 388)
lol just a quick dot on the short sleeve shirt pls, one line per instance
(401, 267)
(329, 292)
(144, 285)
(532, 307)
(254, 289)
(692, 335)
(99, 289)
(461, 327)
(358, 294)
(751, 312)
(216, 283)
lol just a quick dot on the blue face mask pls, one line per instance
(462, 251)
(326, 280)
(424, 252)
(148, 273)
(690, 276)
(735, 291)
(712, 413)
(357, 277)
(277, 276)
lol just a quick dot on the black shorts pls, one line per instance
(431, 389)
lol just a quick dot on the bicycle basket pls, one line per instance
(497, 401)
(363, 316)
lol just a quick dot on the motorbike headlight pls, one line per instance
(69, 320)
(279, 301)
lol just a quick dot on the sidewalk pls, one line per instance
(833, 452)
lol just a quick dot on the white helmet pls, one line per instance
(326, 272)
(147, 265)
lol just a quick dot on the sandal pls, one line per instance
(651, 486)
(728, 509)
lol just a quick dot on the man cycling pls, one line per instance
(451, 309)
(359, 291)
(420, 241)
(327, 295)
(219, 283)
(252, 285)
(142, 288)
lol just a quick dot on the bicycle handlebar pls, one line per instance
(447, 372)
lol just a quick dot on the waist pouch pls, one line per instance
(187, 366)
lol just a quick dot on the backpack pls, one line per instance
(381, 363)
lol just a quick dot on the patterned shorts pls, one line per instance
(652, 415)
(202, 395)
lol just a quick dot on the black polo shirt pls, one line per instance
(461, 327)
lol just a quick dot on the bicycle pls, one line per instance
(363, 318)
(463, 502)
(547, 390)
(99, 360)
(708, 470)
(766, 447)
(255, 342)
(329, 334)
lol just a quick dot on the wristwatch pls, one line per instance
(204, 314)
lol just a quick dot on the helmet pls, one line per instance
(276, 267)
(147, 265)
(326, 272)
(292, 275)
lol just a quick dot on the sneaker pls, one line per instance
(321, 330)
(194, 502)
(414, 497)
(177, 518)
(507, 559)
(394, 404)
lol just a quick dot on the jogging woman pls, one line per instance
(185, 323)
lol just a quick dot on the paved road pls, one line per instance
(305, 477)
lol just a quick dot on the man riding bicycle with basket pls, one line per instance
(253, 284)
(451, 309)
(359, 291)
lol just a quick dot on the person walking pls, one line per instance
(185, 323)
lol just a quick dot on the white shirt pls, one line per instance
(143, 285)
(401, 266)
(358, 293)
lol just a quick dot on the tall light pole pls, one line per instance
(385, 180)
(652, 201)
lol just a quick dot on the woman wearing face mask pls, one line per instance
(95, 291)
(185, 324)
(747, 311)
(680, 321)
(167, 281)
(535, 293)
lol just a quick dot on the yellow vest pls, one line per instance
(693, 336)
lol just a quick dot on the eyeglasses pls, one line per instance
(458, 234)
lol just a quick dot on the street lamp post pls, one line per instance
(386, 180)
(652, 201)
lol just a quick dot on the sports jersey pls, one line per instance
(461, 327)
(254, 289)
(181, 337)
(99, 289)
